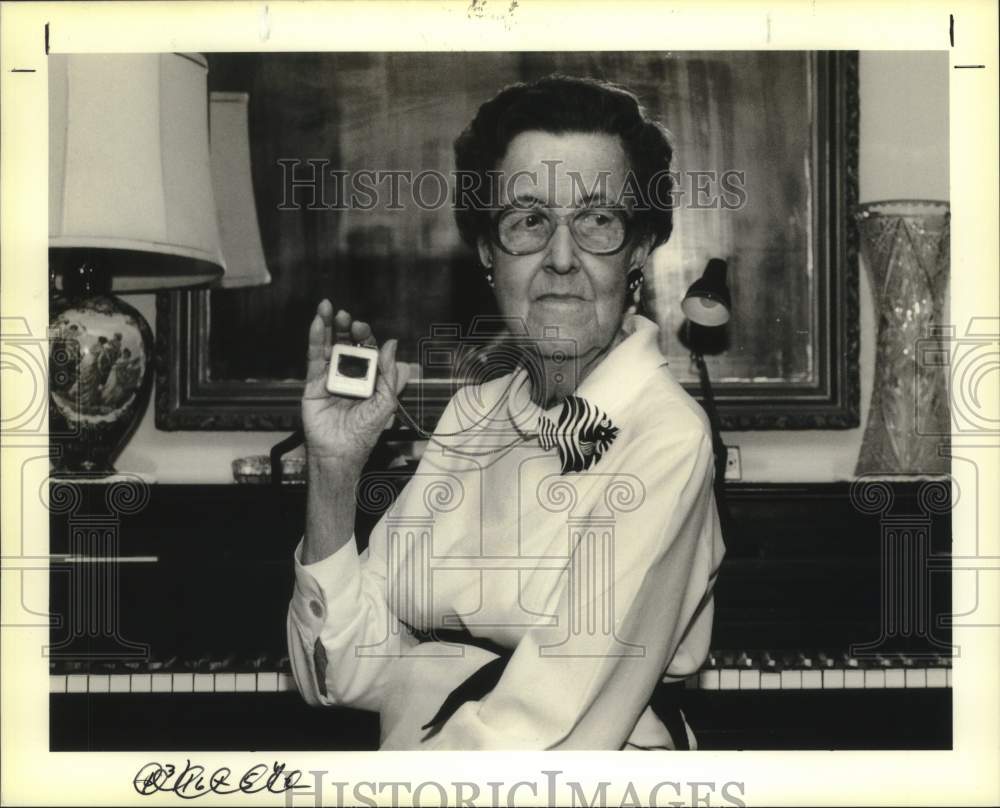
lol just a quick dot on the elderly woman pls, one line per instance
(546, 574)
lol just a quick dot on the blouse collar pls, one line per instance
(610, 386)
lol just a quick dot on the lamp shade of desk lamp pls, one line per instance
(707, 301)
(233, 183)
(131, 209)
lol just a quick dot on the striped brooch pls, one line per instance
(581, 434)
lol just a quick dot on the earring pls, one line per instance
(488, 266)
(635, 279)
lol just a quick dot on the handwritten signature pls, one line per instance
(193, 781)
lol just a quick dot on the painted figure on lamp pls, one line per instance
(109, 367)
(97, 366)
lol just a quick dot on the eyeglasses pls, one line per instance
(524, 230)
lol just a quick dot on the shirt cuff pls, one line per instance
(326, 590)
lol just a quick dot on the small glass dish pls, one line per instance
(256, 470)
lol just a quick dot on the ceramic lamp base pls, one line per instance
(100, 363)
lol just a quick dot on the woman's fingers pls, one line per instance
(325, 310)
(318, 350)
(327, 327)
(342, 326)
(349, 331)
(385, 383)
(362, 334)
(402, 376)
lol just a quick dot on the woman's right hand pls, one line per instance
(339, 429)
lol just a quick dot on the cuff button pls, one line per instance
(316, 608)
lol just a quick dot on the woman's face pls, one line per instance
(564, 287)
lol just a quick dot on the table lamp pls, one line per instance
(131, 209)
(232, 180)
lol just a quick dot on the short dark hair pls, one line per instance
(560, 104)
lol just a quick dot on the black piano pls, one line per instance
(831, 626)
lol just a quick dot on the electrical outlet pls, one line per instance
(734, 469)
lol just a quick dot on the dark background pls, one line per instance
(406, 270)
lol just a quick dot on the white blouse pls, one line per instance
(601, 580)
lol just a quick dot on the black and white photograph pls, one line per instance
(382, 398)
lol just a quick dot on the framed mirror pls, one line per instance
(350, 157)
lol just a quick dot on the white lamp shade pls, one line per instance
(129, 174)
(233, 183)
(705, 311)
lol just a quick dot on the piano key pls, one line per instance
(98, 683)
(729, 679)
(775, 673)
(833, 679)
(142, 683)
(204, 683)
(119, 683)
(76, 683)
(937, 677)
(770, 680)
(854, 678)
(792, 679)
(260, 662)
(267, 682)
(812, 680)
(874, 678)
(709, 680)
(895, 677)
(225, 683)
(196, 665)
(163, 665)
(225, 664)
(246, 682)
(183, 682)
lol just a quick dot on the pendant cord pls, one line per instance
(433, 438)
(297, 438)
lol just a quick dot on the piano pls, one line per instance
(830, 630)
